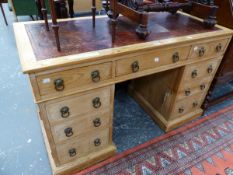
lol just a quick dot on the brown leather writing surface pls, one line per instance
(78, 36)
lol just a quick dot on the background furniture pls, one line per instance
(24, 8)
(138, 12)
(3, 13)
(74, 89)
(225, 72)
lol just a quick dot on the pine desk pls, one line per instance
(170, 74)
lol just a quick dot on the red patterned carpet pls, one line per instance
(204, 147)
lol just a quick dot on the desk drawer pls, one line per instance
(89, 103)
(151, 60)
(82, 146)
(56, 84)
(80, 126)
(213, 48)
(186, 105)
(201, 69)
(187, 89)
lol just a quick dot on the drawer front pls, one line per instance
(187, 89)
(214, 48)
(80, 126)
(92, 102)
(186, 105)
(202, 69)
(151, 60)
(56, 84)
(80, 147)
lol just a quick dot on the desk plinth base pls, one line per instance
(79, 164)
(159, 118)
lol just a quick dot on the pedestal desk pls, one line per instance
(170, 74)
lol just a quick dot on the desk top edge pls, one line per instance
(30, 65)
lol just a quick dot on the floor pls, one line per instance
(22, 150)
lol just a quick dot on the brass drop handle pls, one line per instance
(68, 132)
(195, 104)
(72, 152)
(181, 110)
(194, 74)
(219, 47)
(65, 112)
(135, 66)
(96, 102)
(95, 76)
(210, 69)
(201, 51)
(97, 122)
(187, 92)
(202, 86)
(97, 142)
(59, 84)
(175, 57)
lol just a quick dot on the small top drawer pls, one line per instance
(151, 60)
(56, 84)
(89, 103)
(213, 48)
(201, 69)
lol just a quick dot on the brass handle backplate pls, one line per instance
(97, 142)
(135, 66)
(194, 74)
(59, 84)
(181, 110)
(201, 51)
(219, 47)
(187, 92)
(95, 75)
(96, 102)
(72, 152)
(195, 104)
(175, 57)
(210, 69)
(65, 112)
(97, 122)
(202, 86)
(68, 132)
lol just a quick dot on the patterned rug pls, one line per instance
(204, 147)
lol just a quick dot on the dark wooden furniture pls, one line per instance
(137, 11)
(55, 25)
(60, 8)
(3, 13)
(225, 72)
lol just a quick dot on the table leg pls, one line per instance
(3, 13)
(93, 12)
(55, 25)
(44, 13)
(113, 4)
(71, 8)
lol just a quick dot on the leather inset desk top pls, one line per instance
(78, 36)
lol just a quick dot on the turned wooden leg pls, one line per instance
(55, 25)
(211, 20)
(142, 30)
(61, 10)
(3, 13)
(114, 19)
(44, 13)
(71, 8)
(93, 12)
